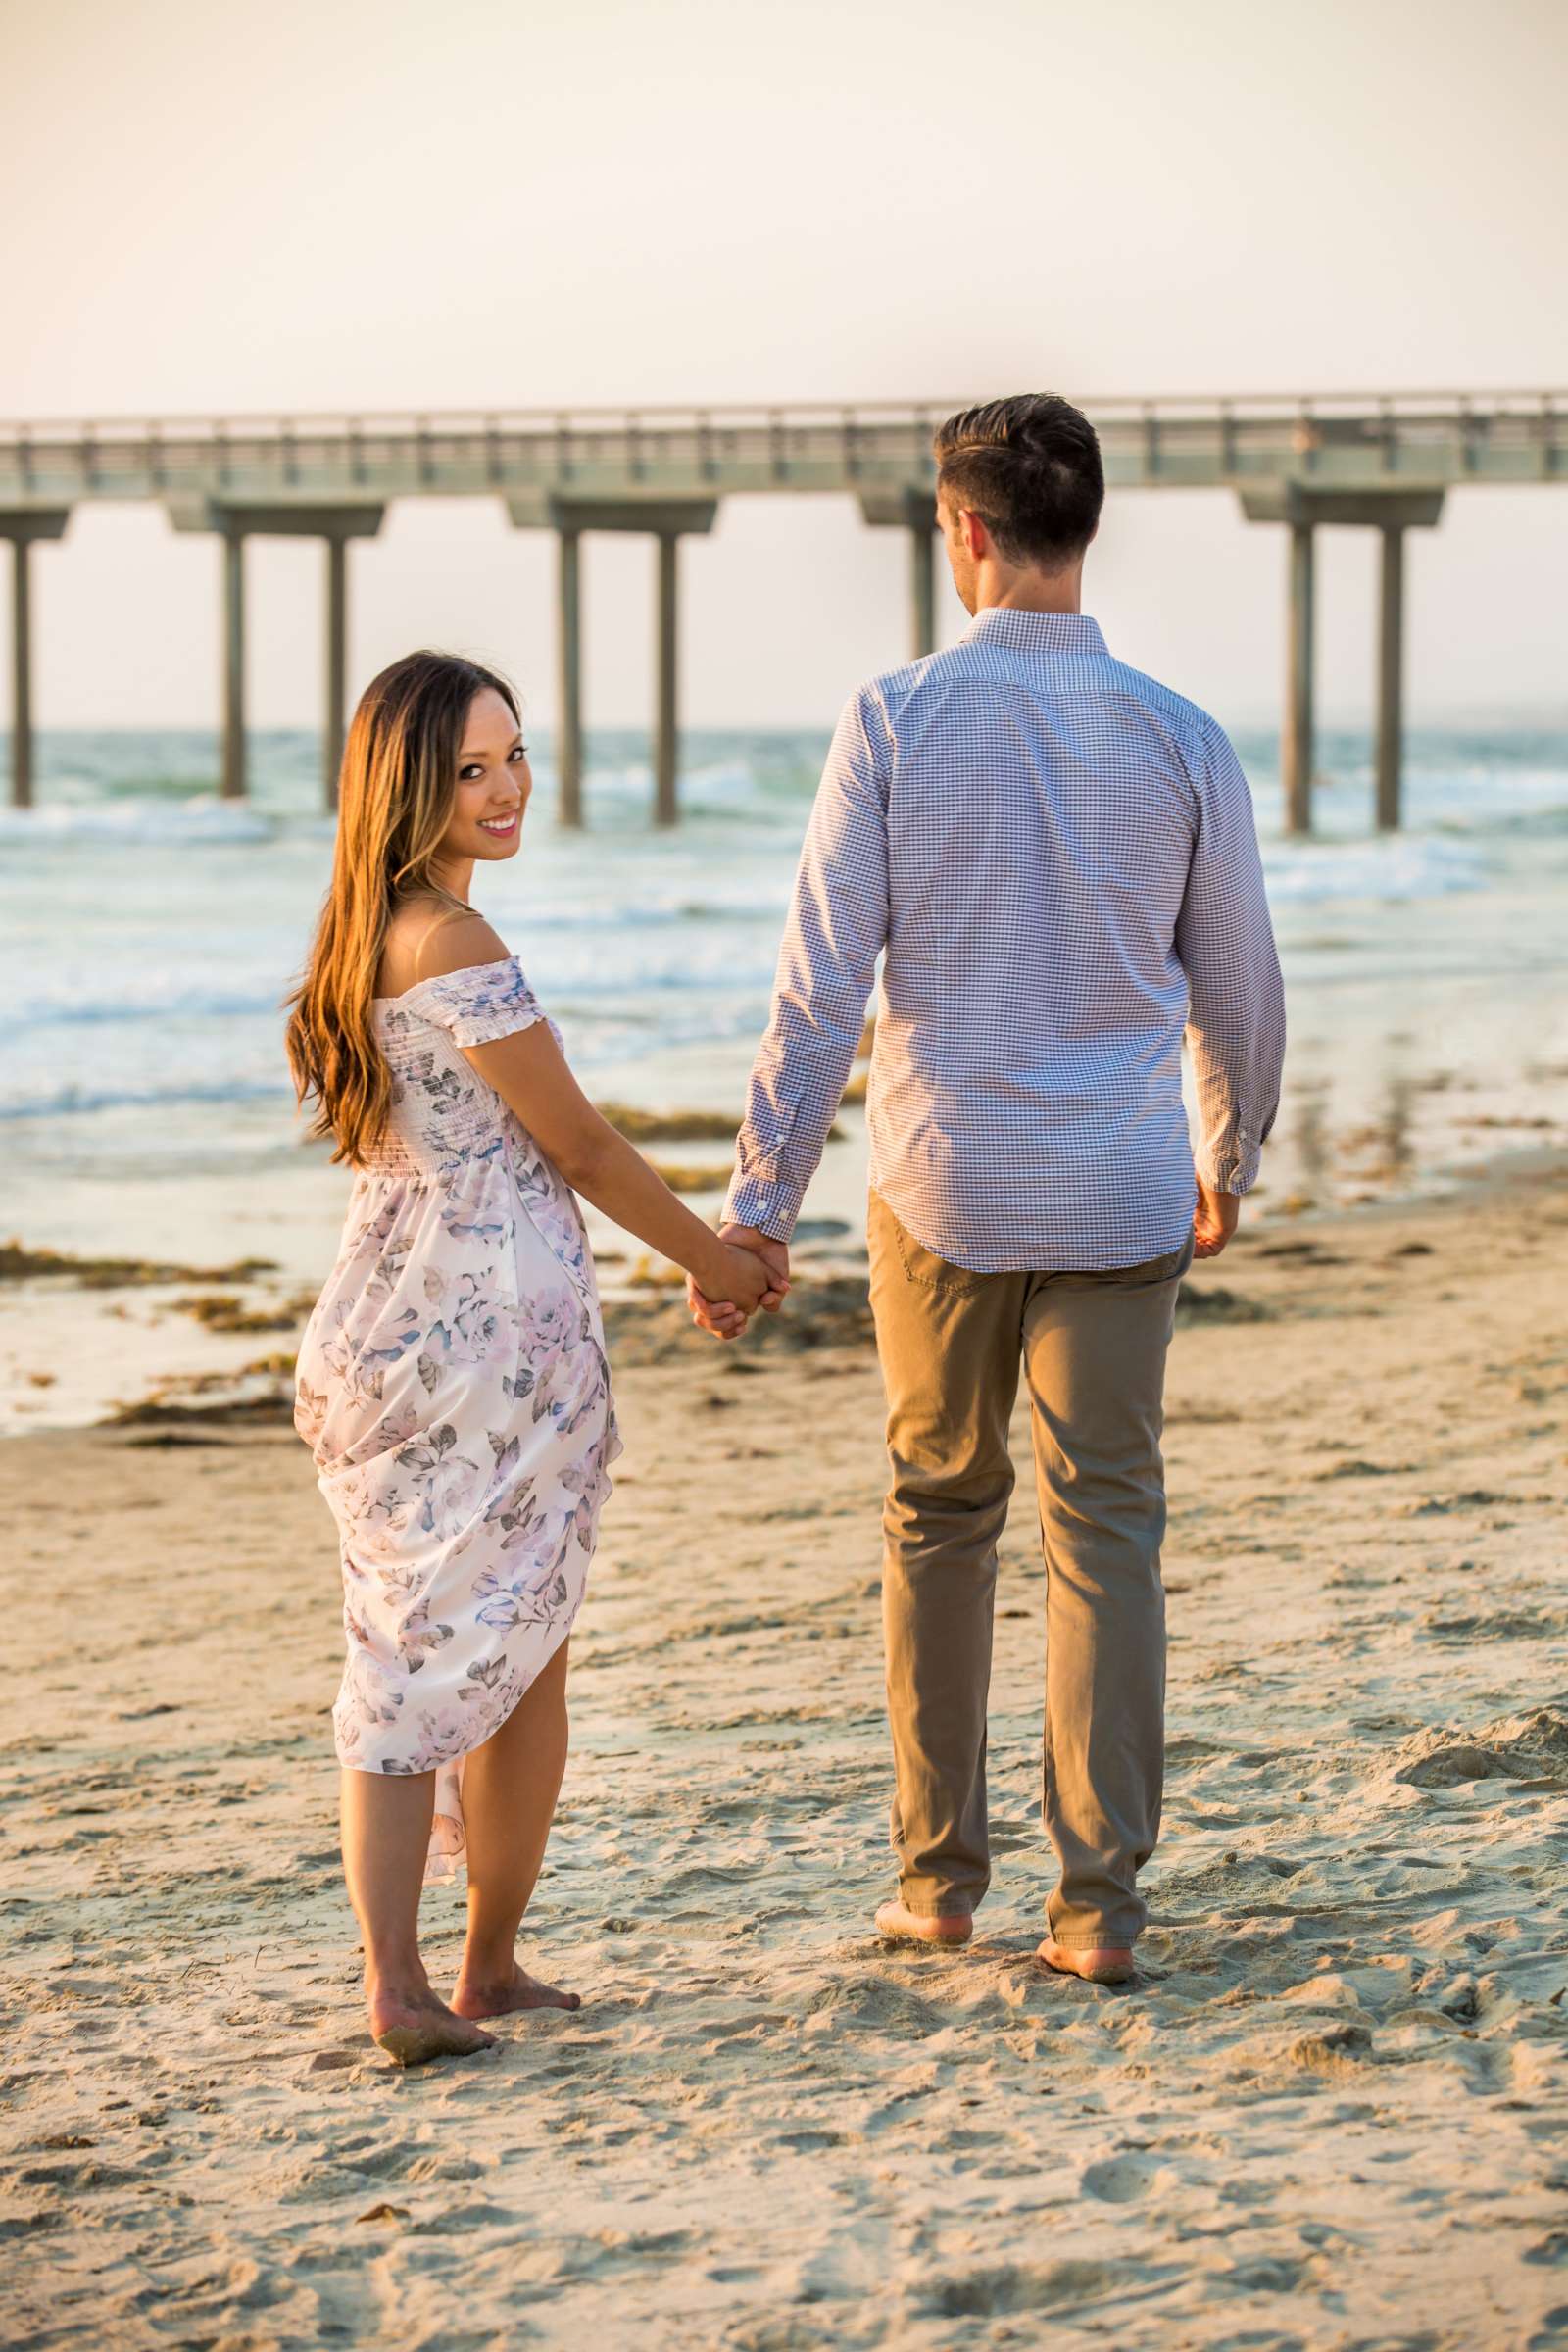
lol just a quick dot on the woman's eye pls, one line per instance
(518, 752)
(466, 776)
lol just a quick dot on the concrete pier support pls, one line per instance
(1295, 749)
(334, 665)
(298, 519)
(667, 521)
(335, 529)
(20, 673)
(666, 722)
(912, 509)
(568, 625)
(232, 781)
(923, 591)
(1391, 678)
(22, 527)
(1390, 512)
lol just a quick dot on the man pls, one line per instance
(1058, 858)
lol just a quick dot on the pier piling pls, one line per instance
(913, 509)
(922, 590)
(666, 725)
(22, 528)
(232, 777)
(21, 673)
(568, 640)
(1390, 513)
(1295, 761)
(335, 523)
(334, 665)
(667, 521)
(1391, 678)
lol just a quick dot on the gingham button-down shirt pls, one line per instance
(1059, 859)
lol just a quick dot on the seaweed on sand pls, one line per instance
(20, 1264)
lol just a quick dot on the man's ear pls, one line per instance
(976, 538)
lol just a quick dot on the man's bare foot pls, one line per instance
(913, 1927)
(488, 1996)
(415, 2030)
(1096, 1963)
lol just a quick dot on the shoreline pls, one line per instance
(91, 1340)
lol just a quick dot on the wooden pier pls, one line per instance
(1374, 462)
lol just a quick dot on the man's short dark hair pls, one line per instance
(1029, 466)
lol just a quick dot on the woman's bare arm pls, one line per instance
(530, 1073)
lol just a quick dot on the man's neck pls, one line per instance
(1031, 591)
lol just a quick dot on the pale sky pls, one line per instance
(324, 205)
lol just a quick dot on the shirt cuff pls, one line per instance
(768, 1207)
(1230, 1167)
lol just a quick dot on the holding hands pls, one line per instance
(750, 1271)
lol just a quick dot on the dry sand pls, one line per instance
(1335, 2115)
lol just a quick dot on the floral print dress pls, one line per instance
(453, 1388)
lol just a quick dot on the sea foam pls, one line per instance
(137, 823)
(1397, 866)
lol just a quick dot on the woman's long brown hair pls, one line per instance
(399, 782)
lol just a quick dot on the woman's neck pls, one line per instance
(456, 877)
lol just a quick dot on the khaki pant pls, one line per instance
(1093, 1347)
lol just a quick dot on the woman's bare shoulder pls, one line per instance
(425, 941)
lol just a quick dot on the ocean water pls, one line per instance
(148, 932)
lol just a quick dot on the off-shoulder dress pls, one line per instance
(452, 1387)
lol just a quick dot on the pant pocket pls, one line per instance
(923, 1267)
(1146, 1276)
(1174, 1262)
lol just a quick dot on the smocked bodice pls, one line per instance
(443, 1115)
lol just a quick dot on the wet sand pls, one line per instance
(1333, 2115)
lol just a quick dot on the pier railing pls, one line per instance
(1347, 441)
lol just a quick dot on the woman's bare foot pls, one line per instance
(1096, 1963)
(489, 1995)
(417, 2027)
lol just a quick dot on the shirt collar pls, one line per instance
(1036, 632)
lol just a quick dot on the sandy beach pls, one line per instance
(1333, 2115)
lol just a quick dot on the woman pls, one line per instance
(451, 1382)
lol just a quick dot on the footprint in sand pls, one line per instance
(1335, 2047)
(1055, 2286)
(1116, 2180)
(1449, 1764)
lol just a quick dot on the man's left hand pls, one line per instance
(1214, 1220)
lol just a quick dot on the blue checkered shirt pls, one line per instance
(1057, 858)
